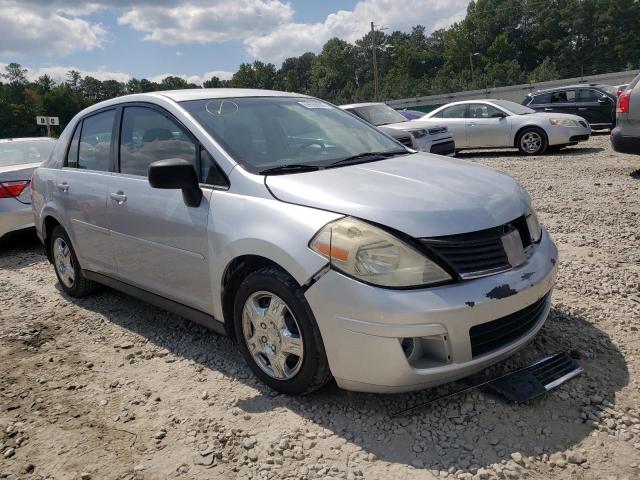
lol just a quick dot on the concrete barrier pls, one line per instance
(515, 93)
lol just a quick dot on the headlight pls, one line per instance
(374, 256)
(535, 229)
(414, 144)
(418, 133)
(563, 122)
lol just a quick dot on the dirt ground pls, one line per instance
(108, 387)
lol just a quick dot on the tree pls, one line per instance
(15, 74)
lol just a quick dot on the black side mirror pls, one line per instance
(174, 174)
(604, 100)
(498, 115)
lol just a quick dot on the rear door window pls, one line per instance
(95, 142)
(482, 110)
(148, 135)
(563, 96)
(589, 95)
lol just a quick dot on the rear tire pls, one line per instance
(283, 346)
(66, 266)
(532, 141)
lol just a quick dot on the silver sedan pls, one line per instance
(19, 157)
(505, 124)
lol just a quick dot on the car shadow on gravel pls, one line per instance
(20, 249)
(572, 151)
(470, 430)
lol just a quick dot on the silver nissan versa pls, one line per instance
(322, 246)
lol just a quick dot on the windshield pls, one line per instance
(19, 152)
(378, 114)
(513, 107)
(263, 133)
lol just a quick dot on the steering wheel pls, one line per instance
(307, 144)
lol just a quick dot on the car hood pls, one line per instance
(422, 195)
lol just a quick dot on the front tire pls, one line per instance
(532, 141)
(66, 266)
(277, 333)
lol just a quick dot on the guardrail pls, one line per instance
(515, 93)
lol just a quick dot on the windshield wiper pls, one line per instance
(290, 168)
(368, 157)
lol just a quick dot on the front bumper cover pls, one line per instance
(362, 325)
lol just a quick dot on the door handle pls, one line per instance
(63, 187)
(582, 108)
(548, 109)
(119, 197)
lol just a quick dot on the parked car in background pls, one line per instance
(401, 136)
(411, 114)
(18, 159)
(432, 138)
(320, 244)
(505, 124)
(625, 137)
(593, 102)
(621, 88)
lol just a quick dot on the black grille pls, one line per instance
(493, 335)
(478, 253)
(578, 138)
(444, 148)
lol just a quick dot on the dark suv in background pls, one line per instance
(625, 137)
(595, 103)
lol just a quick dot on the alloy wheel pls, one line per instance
(531, 142)
(63, 262)
(273, 335)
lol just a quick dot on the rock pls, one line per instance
(204, 395)
(249, 443)
(596, 399)
(9, 452)
(575, 457)
(160, 435)
(205, 460)
(517, 457)
(85, 476)
(139, 468)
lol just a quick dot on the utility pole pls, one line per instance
(375, 62)
(471, 55)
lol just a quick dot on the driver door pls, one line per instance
(487, 126)
(160, 243)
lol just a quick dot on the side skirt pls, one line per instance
(189, 313)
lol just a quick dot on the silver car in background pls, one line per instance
(505, 124)
(431, 138)
(625, 138)
(322, 246)
(19, 157)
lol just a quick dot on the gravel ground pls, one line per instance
(109, 387)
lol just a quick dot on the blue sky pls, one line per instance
(195, 39)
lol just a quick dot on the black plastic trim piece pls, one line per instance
(189, 313)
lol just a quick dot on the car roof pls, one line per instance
(365, 104)
(26, 139)
(570, 87)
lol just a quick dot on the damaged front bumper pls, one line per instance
(381, 340)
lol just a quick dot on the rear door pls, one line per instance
(562, 101)
(595, 106)
(485, 128)
(160, 243)
(81, 190)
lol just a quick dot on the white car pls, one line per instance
(430, 138)
(505, 124)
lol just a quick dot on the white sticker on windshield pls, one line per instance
(314, 104)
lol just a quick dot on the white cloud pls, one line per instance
(36, 27)
(296, 38)
(221, 74)
(201, 22)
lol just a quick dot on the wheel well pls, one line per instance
(515, 138)
(234, 274)
(49, 224)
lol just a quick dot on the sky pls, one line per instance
(193, 39)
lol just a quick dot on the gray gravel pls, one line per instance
(109, 387)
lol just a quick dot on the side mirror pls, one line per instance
(604, 100)
(498, 115)
(174, 174)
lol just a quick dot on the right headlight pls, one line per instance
(563, 122)
(372, 255)
(535, 228)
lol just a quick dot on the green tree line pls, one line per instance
(499, 42)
